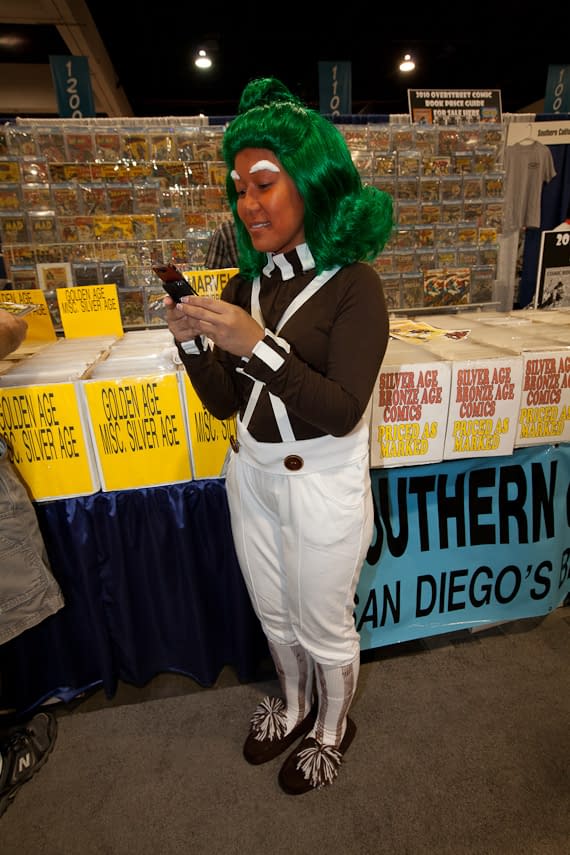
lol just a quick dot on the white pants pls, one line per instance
(301, 539)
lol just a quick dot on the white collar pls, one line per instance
(290, 263)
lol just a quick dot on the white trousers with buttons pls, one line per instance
(301, 539)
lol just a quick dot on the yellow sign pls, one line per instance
(40, 325)
(139, 431)
(210, 283)
(89, 310)
(209, 437)
(44, 429)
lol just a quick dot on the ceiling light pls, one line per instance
(407, 63)
(202, 60)
(11, 41)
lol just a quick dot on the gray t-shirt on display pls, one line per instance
(527, 168)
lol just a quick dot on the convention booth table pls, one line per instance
(151, 581)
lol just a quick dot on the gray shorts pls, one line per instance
(28, 591)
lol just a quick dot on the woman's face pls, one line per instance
(269, 204)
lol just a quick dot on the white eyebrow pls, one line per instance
(264, 164)
(235, 175)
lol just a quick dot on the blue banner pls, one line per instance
(335, 88)
(72, 86)
(464, 544)
(557, 95)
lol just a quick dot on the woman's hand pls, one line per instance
(182, 327)
(228, 326)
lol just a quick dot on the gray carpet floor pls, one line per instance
(463, 747)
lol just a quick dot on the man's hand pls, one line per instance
(12, 332)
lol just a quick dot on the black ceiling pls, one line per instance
(151, 52)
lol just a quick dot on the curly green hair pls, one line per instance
(345, 220)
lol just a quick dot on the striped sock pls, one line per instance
(336, 687)
(295, 671)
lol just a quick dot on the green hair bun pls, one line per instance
(265, 91)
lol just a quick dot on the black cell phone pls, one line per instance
(173, 281)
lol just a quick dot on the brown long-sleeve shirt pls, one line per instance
(337, 341)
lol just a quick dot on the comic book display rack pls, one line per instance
(106, 201)
(448, 188)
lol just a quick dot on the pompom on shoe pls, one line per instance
(267, 738)
(312, 765)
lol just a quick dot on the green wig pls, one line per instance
(345, 221)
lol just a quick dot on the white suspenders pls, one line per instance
(279, 409)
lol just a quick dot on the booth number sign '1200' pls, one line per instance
(73, 86)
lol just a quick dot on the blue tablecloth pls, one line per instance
(151, 584)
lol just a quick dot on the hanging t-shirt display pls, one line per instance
(527, 167)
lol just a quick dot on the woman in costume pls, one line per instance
(294, 348)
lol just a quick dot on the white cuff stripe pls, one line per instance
(268, 355)
(190, 347)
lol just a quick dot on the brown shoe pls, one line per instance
(267, 738)
(312, 765)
